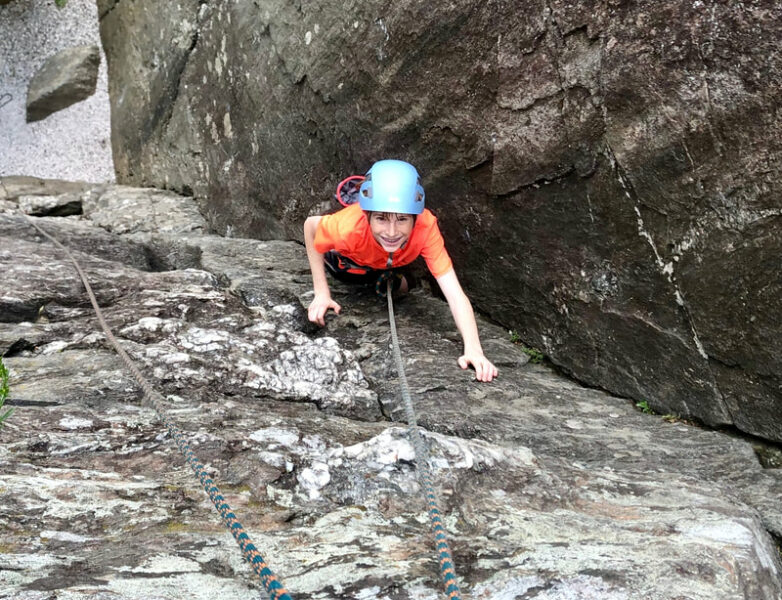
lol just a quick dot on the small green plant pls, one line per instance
(644, 407)
(60, 3)
(535, 355)
(4, 392)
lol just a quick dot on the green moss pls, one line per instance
(769, 456)
(535, 355)
(176, 527)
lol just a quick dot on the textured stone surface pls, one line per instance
(606, 173)
(549, 490)
(56, 206)
(66, 78)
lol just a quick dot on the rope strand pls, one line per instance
(447, 571)
(271, 584)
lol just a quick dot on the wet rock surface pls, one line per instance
(549, 490)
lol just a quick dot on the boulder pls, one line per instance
(547, 488)
(606, 173)
(13, 187)
(65, 78)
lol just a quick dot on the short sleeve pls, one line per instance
(434, 252)
(326, 234)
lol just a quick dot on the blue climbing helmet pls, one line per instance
(392, 186)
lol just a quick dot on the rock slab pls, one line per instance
(66, 78)
(548, 490)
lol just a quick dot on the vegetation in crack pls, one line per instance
(4, 393)
(535, 355)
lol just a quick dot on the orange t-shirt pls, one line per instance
(347, 232)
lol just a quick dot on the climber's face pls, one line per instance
(391, 230)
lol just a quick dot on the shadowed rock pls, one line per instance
(50, 206)
(66, 78)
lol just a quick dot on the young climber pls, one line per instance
(388, 229)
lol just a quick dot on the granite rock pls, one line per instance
(66, 78)
(606, 173)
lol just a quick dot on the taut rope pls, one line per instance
(447, 572)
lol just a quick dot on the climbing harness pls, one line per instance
(272, 585)
(270, 582)
(447, 572)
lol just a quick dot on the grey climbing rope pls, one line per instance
(447, 571)
(271, 584)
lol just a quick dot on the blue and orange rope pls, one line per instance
(270, 582)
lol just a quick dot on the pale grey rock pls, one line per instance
(123, 209)
(65, 78)
(548, 489)
(13, 187)
(77, 235)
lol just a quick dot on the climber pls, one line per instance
(387, 229)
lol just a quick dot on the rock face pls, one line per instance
(66, 78)
(548, 490)
(606, 172)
